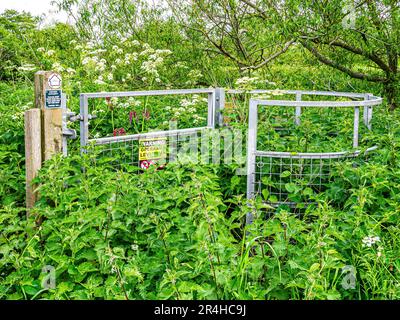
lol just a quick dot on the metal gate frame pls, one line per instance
(369, 101)
(214, 117)
(216, 103)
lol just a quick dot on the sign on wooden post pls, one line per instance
(43, 128)
(48, 98)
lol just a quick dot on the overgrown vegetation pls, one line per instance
(180, 233)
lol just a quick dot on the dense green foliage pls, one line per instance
(179, 233)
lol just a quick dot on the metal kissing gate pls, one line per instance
(275, 175)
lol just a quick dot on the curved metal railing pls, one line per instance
(278, 170)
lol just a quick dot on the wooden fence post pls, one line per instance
(33, 153)
(43, 128)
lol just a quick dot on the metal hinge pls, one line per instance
(67, 132)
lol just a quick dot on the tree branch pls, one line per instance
(218, 46)
(336, 65)
(253, 6)
(371, 56)
(272, 57)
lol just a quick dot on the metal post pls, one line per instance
(219, 106)
(356, 125)
(64, 123)
(298, 109)
(367, 115)
(211, 108)
(84, 125)
(251, 154)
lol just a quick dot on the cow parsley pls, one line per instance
(369, 241)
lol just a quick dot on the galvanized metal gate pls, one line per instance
(268, 171)
(273, 171)
(125, 146)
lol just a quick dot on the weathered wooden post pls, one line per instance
(33, 153)
(43, 128)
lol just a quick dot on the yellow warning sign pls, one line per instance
(153, 149)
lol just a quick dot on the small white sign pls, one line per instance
(55, 81)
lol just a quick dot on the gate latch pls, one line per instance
(72, 117)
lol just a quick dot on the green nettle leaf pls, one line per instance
(294, 265)
(31, 290)
(80, 295)
(273, 198)
(134, 272)
(292, 188)
(314, 267)
(5, 249)
(86, 267)
(285, 174)
(64, 287)
(265, 194)
(266, 180)
(308, 191)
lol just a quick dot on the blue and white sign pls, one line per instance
(53, 99)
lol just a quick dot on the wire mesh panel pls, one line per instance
(284, 180)
(122, 151)
(292, 178)
(124, 148)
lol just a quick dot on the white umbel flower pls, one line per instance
(369, 241)
(50, 53)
